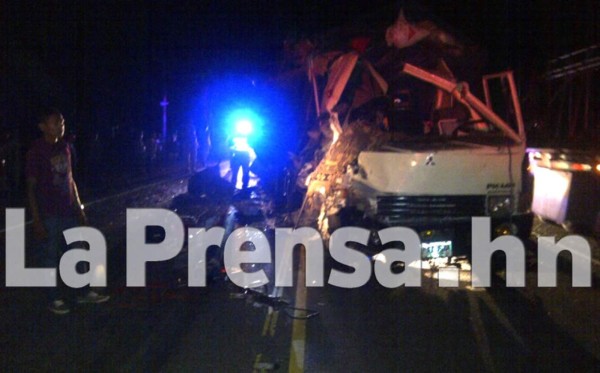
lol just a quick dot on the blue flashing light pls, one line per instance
(243, 122)
(236, 104)
(244, 127)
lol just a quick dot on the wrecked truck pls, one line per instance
(394, 169)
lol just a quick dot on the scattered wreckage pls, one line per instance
(212, 201)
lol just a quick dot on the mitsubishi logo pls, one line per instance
(429, 160)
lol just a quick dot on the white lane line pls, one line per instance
(481, 338)
(502, 318)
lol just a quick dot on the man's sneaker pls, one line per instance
(93, 297)
(59, 307)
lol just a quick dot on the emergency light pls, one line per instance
(243, 127)
(243, 122)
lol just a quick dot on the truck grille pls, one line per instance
(394, 208)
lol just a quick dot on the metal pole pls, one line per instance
(463, 94)
(164, 103)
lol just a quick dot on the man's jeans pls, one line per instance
(54, 247)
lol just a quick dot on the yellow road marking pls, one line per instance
(298, 344)
(267, 325)
(273, 323)
(272, 316)
(256, 363)
(270, 322)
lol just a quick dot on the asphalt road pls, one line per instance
(171, 328)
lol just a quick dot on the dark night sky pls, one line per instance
(107, 62)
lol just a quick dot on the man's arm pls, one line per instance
(79, 208)
(38, 226)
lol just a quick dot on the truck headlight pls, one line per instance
(505, 229)
(500, 205)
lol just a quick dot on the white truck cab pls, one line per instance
(435, 183)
